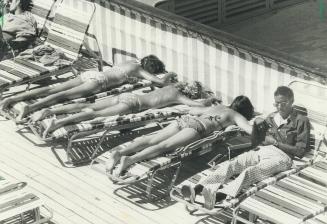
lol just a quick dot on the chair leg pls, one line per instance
(149, 185)
(37, 214)
(175, 175)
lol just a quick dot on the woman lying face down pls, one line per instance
(92, 82)
(201, 122)
(125, 103)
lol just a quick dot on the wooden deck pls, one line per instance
(81, 195)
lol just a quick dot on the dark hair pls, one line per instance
(243, 105)
(153, 61)
(194, 91)
(26, 5)
(284, 91)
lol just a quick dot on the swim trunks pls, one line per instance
(131, 100)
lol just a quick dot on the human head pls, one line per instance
(152, 64)
(243, 105)
(194, 90)
(24, 5)
(284, 98)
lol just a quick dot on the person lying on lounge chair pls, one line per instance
(127, 103)
(286, 136)
(92, 82)
(198, 124)
(19, 25)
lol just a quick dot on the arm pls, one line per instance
(187, 101)
(199, 103)
(198, 111)
(302, 140)
(242, 122)
(161, 81)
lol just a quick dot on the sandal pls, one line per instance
(188, 193)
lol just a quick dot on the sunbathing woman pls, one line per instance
(91, 82)
(185, 130)
(127, 103)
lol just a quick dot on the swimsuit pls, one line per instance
(131, 100)
(93, 76)
(114, 76)
(203, 125)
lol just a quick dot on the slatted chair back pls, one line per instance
(69, 26)
(297, 197)
(310, 98)
(41, 10)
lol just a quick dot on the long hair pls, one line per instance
(152, 64)
(194, 90)
(243, 105)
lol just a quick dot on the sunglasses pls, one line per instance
(281, 104)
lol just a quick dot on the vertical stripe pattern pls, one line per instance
(227, 70)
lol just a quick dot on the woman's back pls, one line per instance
(121, 73)
(160, 98)
(219, 114)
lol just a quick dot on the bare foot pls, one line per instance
(4, 104)
(51, 127)
(124, 163)
(22, 114)
(39, 115)
(112, 161)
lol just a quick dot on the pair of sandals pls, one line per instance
(212, 198)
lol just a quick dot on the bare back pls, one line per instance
(160, 98)
(220, 113)
(225, 116)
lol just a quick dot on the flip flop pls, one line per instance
(188, 193)
(209, 198)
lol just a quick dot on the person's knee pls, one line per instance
(285, 163)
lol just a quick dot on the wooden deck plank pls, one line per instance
(77, 195)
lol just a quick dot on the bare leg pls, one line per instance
(139, 144)
(73, 108)
(88, 115)
(69, 108)
(181, 138)
(39, 92)
(75, 92)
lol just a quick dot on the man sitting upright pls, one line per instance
(287, 137)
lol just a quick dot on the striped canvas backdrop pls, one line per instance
(225, 69)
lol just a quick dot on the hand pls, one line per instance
(211, 101)
(269, 140)
(171, 77)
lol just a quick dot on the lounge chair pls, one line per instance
(70, 134)
(67, 32)
(13, 112)
(315, 142)
(301, 196)
(18, 204)
(147, 170)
